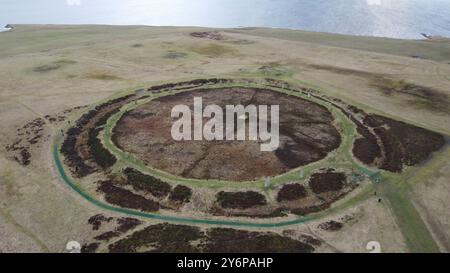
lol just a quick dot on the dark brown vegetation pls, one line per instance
(331, 226)
(291, 192)
(240, 200)
(100, 155)
(77, 165)
(138, 115)
(401, 143)
(160, 238)
(187, 84)
(405, 144)
(180, 194)
(88, 127)
(306, 129)
(389, 144)
(126, 224)
(28, 135)
(208, 35)
(310, 240)
(227, 240)
(189, 239)
(106, 236)
(260, 212)
(90, 248)
(147, 183)
(97, 220)
(310, 209)
(327, 182)
(55, 119)
(125, 198)
(21, 154)
(366, 149)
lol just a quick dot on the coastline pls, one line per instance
(420, 36)
(436, 49)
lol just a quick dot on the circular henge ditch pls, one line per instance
(140, 111)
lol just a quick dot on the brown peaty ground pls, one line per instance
(306, 135)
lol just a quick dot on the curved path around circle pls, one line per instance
(365, 193)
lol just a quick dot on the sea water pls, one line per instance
(385, 18)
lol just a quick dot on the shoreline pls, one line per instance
(420, 36)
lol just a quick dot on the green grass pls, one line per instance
(417, 236)
(425, 49)
(174, 55)
(213, 50)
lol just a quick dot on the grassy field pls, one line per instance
(436, 50)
